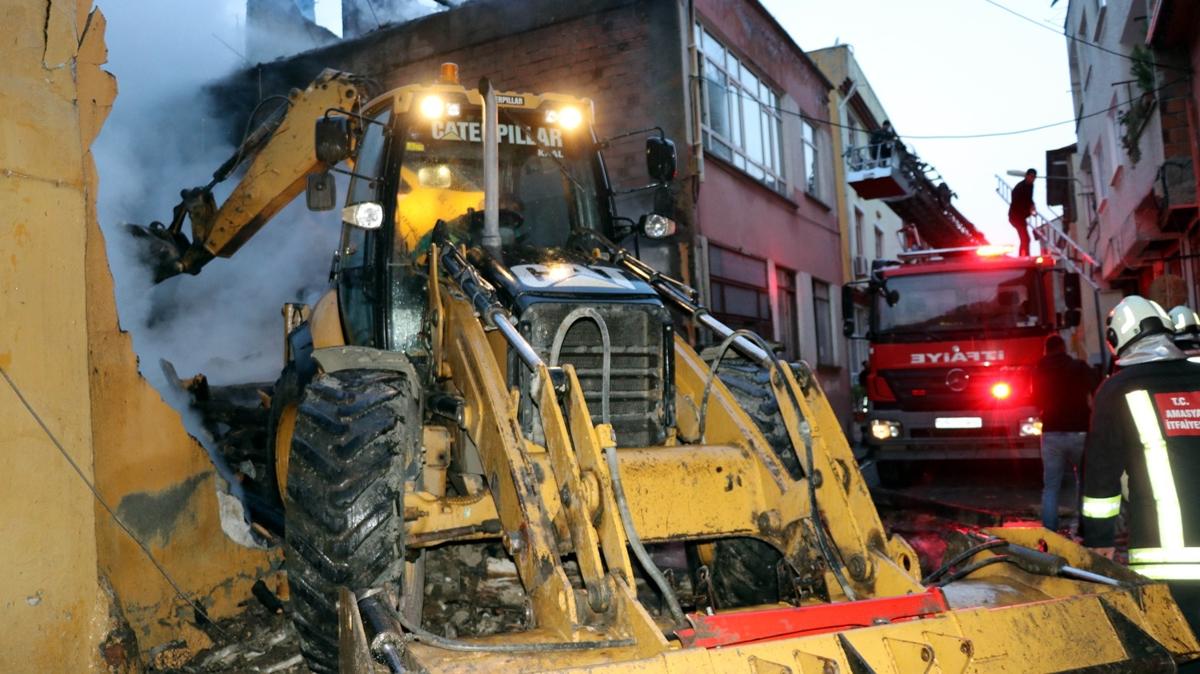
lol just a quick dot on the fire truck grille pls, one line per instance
(929, 390)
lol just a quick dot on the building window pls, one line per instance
(823, 320)
(739, 113)
(811, 181)
(1099, 165)
(859, 245)
(878, 243)
(854, 135)
(738, 289)
(789, 328)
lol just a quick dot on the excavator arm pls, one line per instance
(282, 154)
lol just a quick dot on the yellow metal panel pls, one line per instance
(326, 322)
(713, 490)
(490, 418)
(279, 172)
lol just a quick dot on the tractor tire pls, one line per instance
(745, 570)
(751, 388)
(355, 431)
(745, 573)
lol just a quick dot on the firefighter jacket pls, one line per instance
(1146, 423)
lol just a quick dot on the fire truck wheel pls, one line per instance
(344, 486)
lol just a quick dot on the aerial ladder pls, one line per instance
(1056, 242)
(890, 172)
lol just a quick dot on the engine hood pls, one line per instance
(526, 282)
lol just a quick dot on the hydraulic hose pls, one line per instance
(605, 359)
(635, 542)
(712, 373)
(610, 454)
(972, 568)
(962, 557)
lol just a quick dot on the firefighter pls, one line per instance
(1146, 423)
(1187, 329)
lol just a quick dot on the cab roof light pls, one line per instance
(567, 117)
(448, 74)
(432, 106)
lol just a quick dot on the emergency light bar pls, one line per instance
(989, 250)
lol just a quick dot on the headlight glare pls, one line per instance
(367, 215)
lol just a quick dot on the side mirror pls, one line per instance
(332, 140)
(660, 159)
(321, 193)
(848, 323)
(1071, 292)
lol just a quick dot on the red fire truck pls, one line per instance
(954, 336)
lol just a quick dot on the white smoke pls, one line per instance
(162, 136)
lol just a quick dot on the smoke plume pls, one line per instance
(165, 134)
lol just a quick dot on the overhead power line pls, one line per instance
(964, 136)
(1075, 38)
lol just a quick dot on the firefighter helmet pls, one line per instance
(1132, 319)
(1185, 321)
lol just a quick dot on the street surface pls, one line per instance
(979, 493)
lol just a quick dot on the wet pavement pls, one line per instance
(976, 493)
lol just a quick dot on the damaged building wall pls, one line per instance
(64, 559)
(53, 98)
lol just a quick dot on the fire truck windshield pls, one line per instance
(948, 305)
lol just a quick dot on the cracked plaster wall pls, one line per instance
(61, 344)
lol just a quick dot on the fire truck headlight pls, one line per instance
(882, 429)
(1001, 390)
(1031, 427)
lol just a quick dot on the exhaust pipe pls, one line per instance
(491, 169)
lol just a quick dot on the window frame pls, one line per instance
(718, 281)
(740, 102)
(826, 349)
(786, 283)
(810, 159)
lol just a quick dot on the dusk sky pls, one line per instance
(957, 67)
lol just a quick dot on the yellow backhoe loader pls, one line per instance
(492, 451)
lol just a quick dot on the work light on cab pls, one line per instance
(367, 215)
(657, 226)
(567, 118)
(432, 107)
